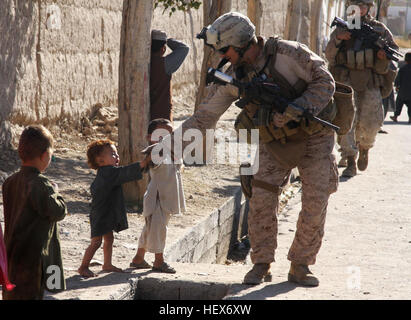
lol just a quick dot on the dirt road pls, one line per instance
(366, 252)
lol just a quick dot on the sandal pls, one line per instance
(142, 265)
(165, 268)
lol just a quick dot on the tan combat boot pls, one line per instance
(259, 272)
(299, 273)
(362, 159)
(351, 169)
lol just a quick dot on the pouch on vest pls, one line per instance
(369, 58)
(360, 60)
(243, 121)
(343, 97)
(328, 114)
(289, 154)
(341, 58)
(351, 59)
(287, 150)
(381, 66)
(359, 79)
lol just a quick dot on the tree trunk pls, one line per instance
(133, 96)
(255, 12)
(384, 10)
(298, 21)
(212, 9)
(316, 24)
(287, 29)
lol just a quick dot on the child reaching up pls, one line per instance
(164, 196)
(108, 210)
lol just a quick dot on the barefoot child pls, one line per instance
(108, 211)
(164, 196)
(32, 207)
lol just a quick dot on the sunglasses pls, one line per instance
(223, 50)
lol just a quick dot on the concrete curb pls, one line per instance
(209, 241)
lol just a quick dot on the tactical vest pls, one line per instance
(286, 144)
(362, 69)
(268, 133)
(360, 60)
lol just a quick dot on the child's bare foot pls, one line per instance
(111, 268)
(86, 272)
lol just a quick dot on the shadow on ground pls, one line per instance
(104, 279)
(268, 291)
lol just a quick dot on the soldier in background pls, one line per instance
(367, 77)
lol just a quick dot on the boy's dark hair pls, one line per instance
(155, 123)
(156, 45)
(407, 57)
(34, 141)
(95, 149)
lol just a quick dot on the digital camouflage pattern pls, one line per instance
(317, 166)
(319, 178)
(368, 120)
(231, 29)
(367, 94)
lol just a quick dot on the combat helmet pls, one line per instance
(230, 29)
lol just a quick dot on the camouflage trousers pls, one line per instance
(369, 117)
(319, 176)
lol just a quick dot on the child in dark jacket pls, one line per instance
(108, 211)
(32, 207)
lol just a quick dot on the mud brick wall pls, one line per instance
(59, 58)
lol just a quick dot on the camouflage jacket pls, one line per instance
(294, 61)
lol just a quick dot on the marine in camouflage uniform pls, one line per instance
(367, 81)
(316, 163)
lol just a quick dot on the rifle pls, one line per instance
(367, 37)
(265, 94)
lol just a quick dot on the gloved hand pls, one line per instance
(294, 113)
(343, 35)
(151, 162)
(147, 163)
